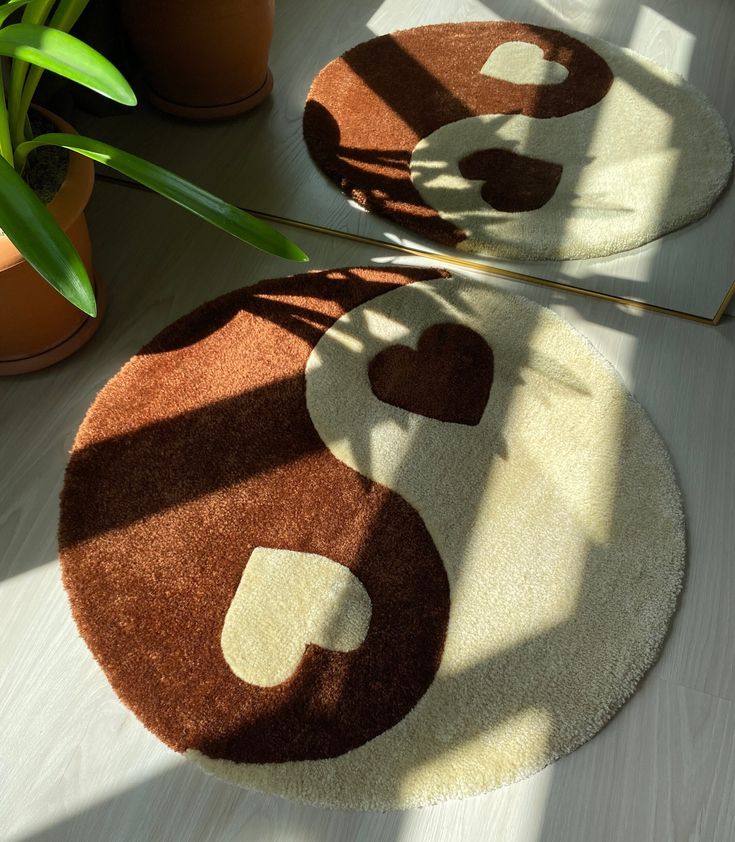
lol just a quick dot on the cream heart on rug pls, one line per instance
(285, 601)
(523, 64)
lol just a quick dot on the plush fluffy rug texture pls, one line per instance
(371, 538)
(517, 141)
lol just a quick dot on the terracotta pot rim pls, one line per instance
(66, 346)
(39, 326)
(213, 112)
(202, 61)
(71, 198)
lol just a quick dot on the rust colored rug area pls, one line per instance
(371, 538)
(517, 141)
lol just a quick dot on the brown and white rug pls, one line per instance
(517, 141)
(371, 538)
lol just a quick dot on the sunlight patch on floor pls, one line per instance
(674, 45)
(383, 20)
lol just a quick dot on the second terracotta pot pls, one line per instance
(202, 60)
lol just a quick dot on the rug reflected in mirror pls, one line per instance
(517, 141)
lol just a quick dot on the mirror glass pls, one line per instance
(263, 162)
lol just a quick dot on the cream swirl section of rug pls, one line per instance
(558, 519)
(651, 156)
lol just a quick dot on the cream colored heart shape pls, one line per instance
(523, 64)
(286, 600)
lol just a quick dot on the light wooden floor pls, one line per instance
(75, 766)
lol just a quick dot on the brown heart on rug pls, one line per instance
(448, 377)
(513, 182)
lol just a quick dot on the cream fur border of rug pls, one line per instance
(560, 522)
(652, 156)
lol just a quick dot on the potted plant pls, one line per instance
(202, 60)
(45, 255)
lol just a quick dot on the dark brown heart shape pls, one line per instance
(513, 182)
(448, 377)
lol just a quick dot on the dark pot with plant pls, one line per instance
(48, 306)
(202, 60)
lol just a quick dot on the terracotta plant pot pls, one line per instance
(39, 327)
(202, 60)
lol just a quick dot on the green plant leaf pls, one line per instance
(35, 233)
(66, 14)
(24, 80)
(37, 11)
(7, 9)
(67, 56)
(214, 210)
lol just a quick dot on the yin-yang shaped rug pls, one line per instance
(517, 141)
(371, 538)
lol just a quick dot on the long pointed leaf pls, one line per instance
(35, 12)
(67, 13)
(67, 56)
(37, 236)
(216, 211)
(6, 143)
(7, 9)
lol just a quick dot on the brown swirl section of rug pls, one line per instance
(202, 449)
(367, 110)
